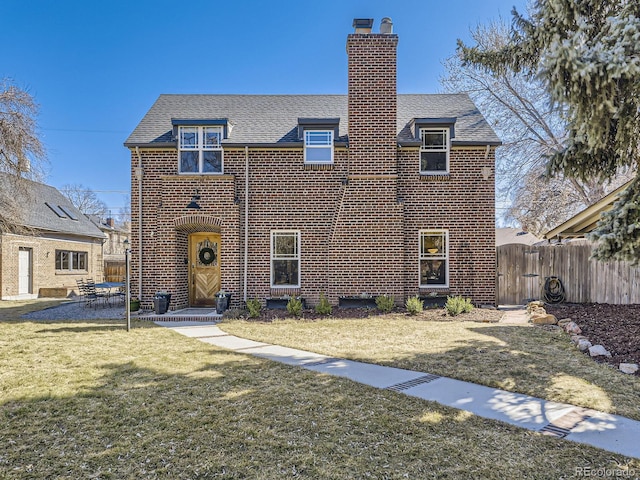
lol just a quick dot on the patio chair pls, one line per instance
(92, 296)
(81, 288)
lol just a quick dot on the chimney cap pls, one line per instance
(363, 25)
(386, 26)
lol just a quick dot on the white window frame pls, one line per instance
(446, 148)
(201, 147)
(308, 146)
(440, 255)
(295, 256)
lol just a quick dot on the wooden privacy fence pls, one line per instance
(114, 271)
(522, 270)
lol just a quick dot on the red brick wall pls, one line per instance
(461, 202)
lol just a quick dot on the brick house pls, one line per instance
(271, 195)
(54, 246)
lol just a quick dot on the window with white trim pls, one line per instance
(200, 149)
(67, 260)
(285, 258)
(434, 150)
(434, 258)
(318, 146)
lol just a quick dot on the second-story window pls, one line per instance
(200, 149)
(318, 146)
(434, 151)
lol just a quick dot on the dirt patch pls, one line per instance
(616, 327)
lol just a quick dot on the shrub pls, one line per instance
(254, 306)
(323, 307)
(458, 305)
(385, 303)
(294, 306)
(414, 305)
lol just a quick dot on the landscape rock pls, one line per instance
(576, 338)
(629, 368)
(584, 345)
(532, 305)
(572, 327)
(543, 319)
(564, 321)
(598, 351)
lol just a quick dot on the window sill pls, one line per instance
(435, 177)
(318, 166)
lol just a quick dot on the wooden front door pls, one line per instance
(204, 262)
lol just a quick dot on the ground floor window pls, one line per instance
(434, 258)
(285, 258)
(70, 260)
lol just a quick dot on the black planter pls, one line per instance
(222, 302)
(357, 302)
(437, 301)
(281, 303)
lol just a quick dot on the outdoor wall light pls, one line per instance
(194, 201)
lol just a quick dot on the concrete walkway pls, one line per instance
(608, 432)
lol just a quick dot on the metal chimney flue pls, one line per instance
(363, 25)
(386, 26)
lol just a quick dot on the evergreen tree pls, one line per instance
(587, 53)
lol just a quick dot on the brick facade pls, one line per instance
(43, 272)
(359, 218)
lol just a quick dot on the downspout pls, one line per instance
(246, 221)
(138, 172)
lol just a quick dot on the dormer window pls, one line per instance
(318, 146)
(200, 149)
(434, 150)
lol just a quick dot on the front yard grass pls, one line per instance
(89, 400)
(516, 358)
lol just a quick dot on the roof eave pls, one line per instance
(585, 221)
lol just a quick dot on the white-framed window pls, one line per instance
(67, 260)
(434, 258)
(285, 258)
(434, 150)
(200, 149)
(318, 146)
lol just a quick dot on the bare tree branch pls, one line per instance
(84, 199)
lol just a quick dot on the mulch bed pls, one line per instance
(615, 327)
(433, 314)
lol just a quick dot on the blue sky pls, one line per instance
(96, 67)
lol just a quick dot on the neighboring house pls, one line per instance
(586, 220)
(508, 236)
(113, 248)
(274, 195)
(64, 246)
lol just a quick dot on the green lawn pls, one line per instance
(89, 400)
(522, 359)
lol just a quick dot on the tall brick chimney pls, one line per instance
(366, 252)
(372, 98)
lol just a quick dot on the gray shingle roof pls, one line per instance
(36, 214)
(273, 119)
